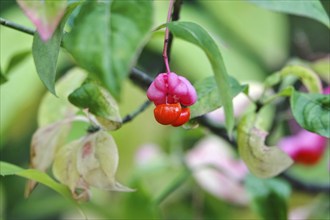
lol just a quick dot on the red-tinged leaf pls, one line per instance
(97, 162)
(44, 14)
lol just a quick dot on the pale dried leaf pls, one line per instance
(97, 161)
(64, 167)
(45, 141)
(262, 161)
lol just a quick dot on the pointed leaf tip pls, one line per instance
(311, 9)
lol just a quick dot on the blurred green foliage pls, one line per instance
(254, 42)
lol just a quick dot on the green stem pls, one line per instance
(172, 186)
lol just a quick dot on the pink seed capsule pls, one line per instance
(171, 88)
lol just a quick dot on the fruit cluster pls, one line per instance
(172, 94)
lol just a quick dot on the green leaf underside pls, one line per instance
(45, 54)
(269, 197)
(99, 102)
(36, 175)
(262, 161)
(312, 112)
(107, 38)
(312, 9)
(195, 34)
(53, 108)
(208, 95)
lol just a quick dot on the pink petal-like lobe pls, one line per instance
(45, 15)
(171, 88)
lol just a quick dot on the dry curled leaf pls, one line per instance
(45, 142)
(263, 161)
(91, 161)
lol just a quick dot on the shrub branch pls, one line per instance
(143, 80)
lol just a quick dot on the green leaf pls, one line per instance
(312, 112)
(269, 197)
(322, 68)
(208, 95)
(108, 37)
(310, 80)
(272, 80)
(45, 54)
(16, 59)
(53, 109)
(41, 177)
(36, 175)
(3, 78)
(282, 93)
(262, 161)
(99, 102)
(195, 34)
(312, 9)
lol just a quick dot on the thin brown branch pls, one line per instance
(310, 187)
(16, 26)
(131, 116)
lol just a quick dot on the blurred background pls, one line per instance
(254, 42)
